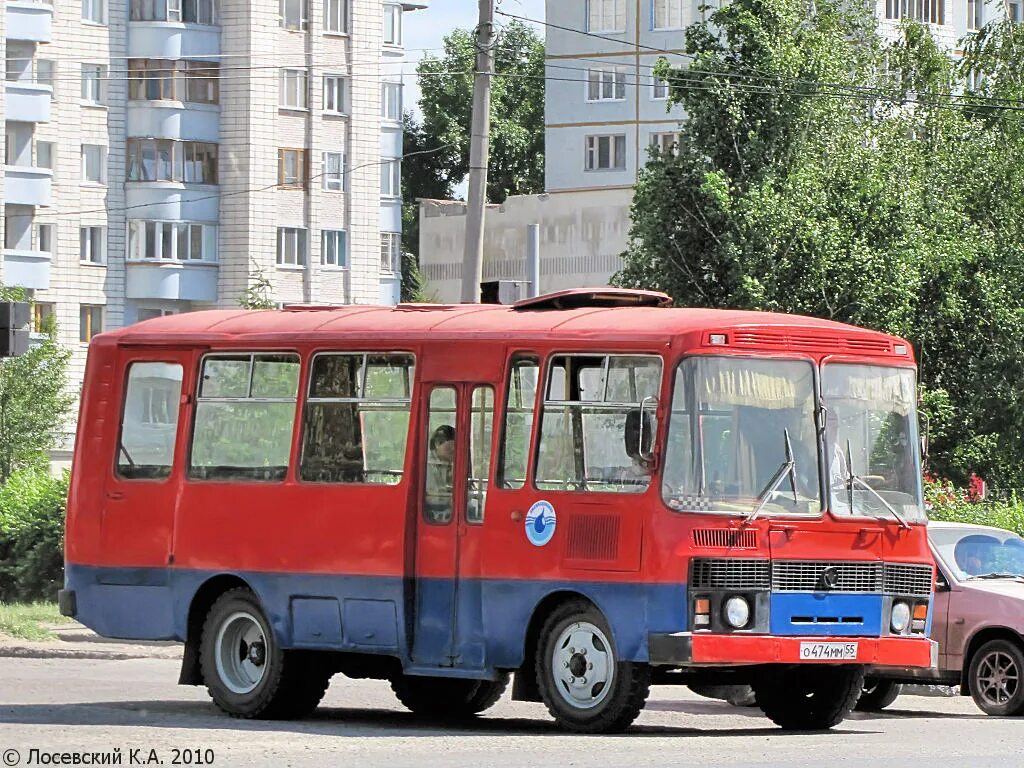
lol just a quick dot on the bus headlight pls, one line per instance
(900, 618)
(737, 612)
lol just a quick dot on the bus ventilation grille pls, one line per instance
(593, 537)
(798, 341)
(725, 538)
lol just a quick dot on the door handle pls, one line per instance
(958, 621)
(115, 495)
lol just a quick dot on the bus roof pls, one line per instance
(637, 318)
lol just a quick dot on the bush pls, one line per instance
(945, 502)
(32, 506)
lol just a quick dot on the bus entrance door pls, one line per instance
(440, 528)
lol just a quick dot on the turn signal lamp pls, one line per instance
(702, 612)
(718, 339)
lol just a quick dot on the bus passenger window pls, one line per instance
(149, 422)
(356, 421)
(515, 441)
(439, 486)
(481, 424)
(596, 408)
(245, 413)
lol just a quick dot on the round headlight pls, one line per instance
(900, 619)
(737, 612)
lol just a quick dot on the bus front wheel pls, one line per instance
(808, 698)
(246, 671)
(446, 697)
(584, 685)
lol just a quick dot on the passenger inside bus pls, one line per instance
(438, 496)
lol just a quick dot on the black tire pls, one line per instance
(983, 680)
(877, 694)
(291, 683)
(808, 698)
(627, 690)
(448, 697)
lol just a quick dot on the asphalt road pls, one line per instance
(88, 706)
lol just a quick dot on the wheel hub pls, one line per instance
(583, 665)
(257, 654)
(240, 652)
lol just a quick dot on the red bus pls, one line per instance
(591, 490)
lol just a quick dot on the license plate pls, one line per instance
(828, 651)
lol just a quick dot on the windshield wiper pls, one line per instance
(997, 575)
(853, 478)
(787, 468)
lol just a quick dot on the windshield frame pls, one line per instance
(673, 372)
(919, 517)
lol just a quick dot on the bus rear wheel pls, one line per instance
(808, 698)
(246, 671)
(584, 685)
(447, 697)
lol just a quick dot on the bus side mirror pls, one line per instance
(924, 427)
(639, 432)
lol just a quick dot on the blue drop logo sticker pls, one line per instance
(540, 523)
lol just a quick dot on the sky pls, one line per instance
(427, 28)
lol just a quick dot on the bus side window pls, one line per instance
(244, 418)
(356, 420)
(590, 423)
(481, 426)
(149, 421)
(518, 428)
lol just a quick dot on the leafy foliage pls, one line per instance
(259, 294)
(32, 506)
(33, 401)
(824, 173)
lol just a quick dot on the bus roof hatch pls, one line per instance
(578, 298)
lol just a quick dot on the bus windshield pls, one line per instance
(871, 441)
(742, 437)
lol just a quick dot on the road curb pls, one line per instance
(29, 652)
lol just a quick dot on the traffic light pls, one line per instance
(14, 317)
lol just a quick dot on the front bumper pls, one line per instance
(688, 649)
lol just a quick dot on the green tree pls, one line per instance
(825, 173)
(34, 399)
(259, 293)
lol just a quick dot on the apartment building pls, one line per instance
(604, 107)
(163, 156)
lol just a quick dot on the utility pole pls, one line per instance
(479, 151)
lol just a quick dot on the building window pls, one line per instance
(94, 11)
(606, 153)
(668, 14)
(666, 143)
(94, 164)
(44, 315)
(391, 252)
(45, 238)
(171, 241)
(293, 89)
(92, 245)
(390, 177)
(974, 12)
(925, 11)
(333, 171)
(192, 162)
(606, 15)
(291, 168)
(334, 94)
(188, 11)
(93, 77)
(44, 154)
(294, 14)
(90, 322)
(391, 102)
(606, 85)
(659, 89)
(291, 246)
(334, 248)
(164, 79)
(46, 73)
(392, 24)
(336, 16)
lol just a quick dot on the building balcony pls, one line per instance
(173, 201)
(29, 20)
(28, 102)
(25, 185)
(174, 120)
(27, 269)
(172, 40)
(171, 281)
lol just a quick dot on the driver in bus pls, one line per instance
(438, 501)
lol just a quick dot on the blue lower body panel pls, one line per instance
(826, 613)
(368, 614)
